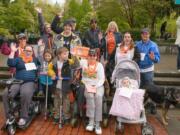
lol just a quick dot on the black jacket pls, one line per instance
(66, 72)
(54, 25)
(91, 39)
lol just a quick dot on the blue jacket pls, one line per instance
(21, 72)
(146, 48)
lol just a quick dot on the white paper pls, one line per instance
(142, 56)
(125, 92)
(30, 66)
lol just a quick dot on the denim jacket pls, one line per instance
(146, 48)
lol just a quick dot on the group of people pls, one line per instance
(52, 61)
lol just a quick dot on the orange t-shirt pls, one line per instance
(110, 43)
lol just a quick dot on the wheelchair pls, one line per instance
(14, 106)
(78, 85)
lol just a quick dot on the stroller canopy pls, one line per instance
(126, 68)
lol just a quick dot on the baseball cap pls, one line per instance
(21, 35)
(145, 30)
(67, 22)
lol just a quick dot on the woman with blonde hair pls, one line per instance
(109, 44)
(112, 26)
(110, 41)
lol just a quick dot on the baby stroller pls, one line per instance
(125, 114)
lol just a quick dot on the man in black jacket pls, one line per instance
(92, 37)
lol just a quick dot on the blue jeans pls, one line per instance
(146, 78)
(178, 58)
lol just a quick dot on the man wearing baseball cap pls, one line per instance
(149, 54)
(66, 38)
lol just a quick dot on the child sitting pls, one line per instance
(93, 77)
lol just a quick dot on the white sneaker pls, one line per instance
(90, 127)
(98, 130)
(21, 122)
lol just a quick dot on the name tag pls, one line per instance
(90, 89)
(30, 66)
(125, 92)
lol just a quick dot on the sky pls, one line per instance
(59, 1)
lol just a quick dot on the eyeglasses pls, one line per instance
(28, 50)
(92, 55)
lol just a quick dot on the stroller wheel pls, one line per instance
(147, 129)
(119, 127)
(11, 130)
(37, 108)
(105, 122)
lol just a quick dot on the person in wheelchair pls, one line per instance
(26, 70)
(93, 78)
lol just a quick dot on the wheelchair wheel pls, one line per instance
(147, 129)
(11, 130)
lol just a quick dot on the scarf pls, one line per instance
(124, 48)
(26, 59)
(90, 71)
(111, 43)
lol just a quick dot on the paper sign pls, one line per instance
(30, 66)
(125, 92)
(90, 89)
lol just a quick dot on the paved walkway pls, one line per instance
(167, 63)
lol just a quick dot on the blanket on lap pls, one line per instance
(129, 108)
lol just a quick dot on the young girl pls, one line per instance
(93, 77)
(46, 71)
(46, 76)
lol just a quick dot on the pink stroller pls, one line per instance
(128, 101)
